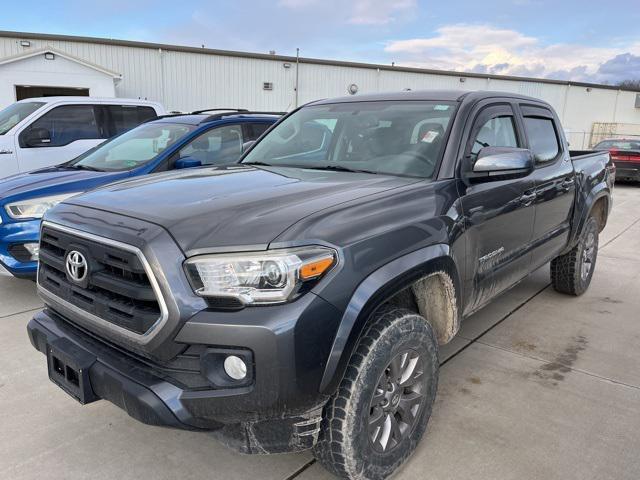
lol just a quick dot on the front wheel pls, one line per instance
(380, 411)
(571, 273)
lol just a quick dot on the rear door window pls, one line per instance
(121, 118)
(66, 124)
(543, 139)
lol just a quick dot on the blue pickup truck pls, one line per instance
(205, 137)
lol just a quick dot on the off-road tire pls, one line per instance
(567, 271)
(345, 446)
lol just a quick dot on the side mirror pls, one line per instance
(186, 162)
(247, 145)
(37, 137)
(498, 163)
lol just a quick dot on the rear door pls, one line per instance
(555, 183)
(499, 214)
(59, 135)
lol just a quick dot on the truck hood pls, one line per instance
(234, 206)
(53, 181)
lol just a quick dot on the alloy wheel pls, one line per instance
(588, 255)
(397, 401)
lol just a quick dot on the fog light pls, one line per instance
(33, 249)
(235, 367)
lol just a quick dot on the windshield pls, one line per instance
(619, 144)
(14, 114)
(395, 138)
(133, 148)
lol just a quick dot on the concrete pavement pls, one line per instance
(537, 385)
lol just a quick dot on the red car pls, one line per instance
(625, 153)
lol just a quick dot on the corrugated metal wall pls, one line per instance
(187, 81)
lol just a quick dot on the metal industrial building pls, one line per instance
(188, 78)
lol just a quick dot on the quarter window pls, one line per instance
(216, 147)
(543, 139)
(496, 132)
(254, 130)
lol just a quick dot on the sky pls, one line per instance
(594, 41)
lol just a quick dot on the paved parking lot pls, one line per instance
(536, 386)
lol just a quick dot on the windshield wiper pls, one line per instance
(339, 168)
(261, 164)
(84, 167)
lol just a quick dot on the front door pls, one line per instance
(64, 133)
(499, 214)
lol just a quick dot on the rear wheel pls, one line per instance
(378, 415)
(571, 273)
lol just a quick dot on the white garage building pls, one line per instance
(188, 78)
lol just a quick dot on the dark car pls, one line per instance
(298, 299)
(625, 154)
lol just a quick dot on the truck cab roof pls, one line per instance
(426, 95)
(82, 99)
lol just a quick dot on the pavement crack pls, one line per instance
(301, 469)
(614, 257)
(511, 312)
(23, 311)
(565, 367)
(620, 234)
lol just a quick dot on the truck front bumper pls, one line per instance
(273, 413)
(142, 396)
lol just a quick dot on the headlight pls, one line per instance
(259, 278)
(35, 207)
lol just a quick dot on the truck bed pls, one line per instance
(582, 154)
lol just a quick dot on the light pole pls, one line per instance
(297, 73)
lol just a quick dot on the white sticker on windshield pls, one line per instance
(441, 107)
(429, 137)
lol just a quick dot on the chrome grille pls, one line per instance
(118, 289)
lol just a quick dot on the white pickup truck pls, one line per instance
(40, 132)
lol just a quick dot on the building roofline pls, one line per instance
(38, 51)
(286, 58)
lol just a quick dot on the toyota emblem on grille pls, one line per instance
(77, 266)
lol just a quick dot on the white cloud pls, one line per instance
(486, 49)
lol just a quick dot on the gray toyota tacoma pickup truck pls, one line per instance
(298, 299)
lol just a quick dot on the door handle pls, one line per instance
(528, 198)
(567, 184)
